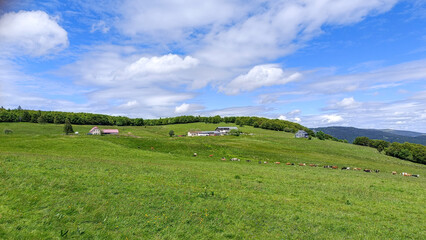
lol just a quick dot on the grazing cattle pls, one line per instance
(288, 163)
(313, 165)
(260, 162)
(235, 159)
(406, 174)
(265, 162)
(302, 164)
(152, 148)
(394, 173)
(334, 167)
(376, 170)
(292, 163)
(248, 160)
(211, 155)
(327, 166)
(357, 169)
(223, 159)
(415, 175)
(346, 168)
(195, 154)
(367, 170)
(277, 163)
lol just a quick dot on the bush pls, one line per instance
(8, 131)
(235, 132)
(171, 133)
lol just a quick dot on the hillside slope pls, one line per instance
(350, 133)
(145, 184)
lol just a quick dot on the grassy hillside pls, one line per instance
(144, 184)
(350, 133)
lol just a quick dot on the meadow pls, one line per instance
(144, 184)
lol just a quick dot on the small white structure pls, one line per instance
(225, 130)
(301, 134)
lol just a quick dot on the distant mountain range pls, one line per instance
(350, 133)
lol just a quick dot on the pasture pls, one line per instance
(145, 184)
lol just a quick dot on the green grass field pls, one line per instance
(54, 186)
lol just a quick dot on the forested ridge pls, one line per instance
(34, 116)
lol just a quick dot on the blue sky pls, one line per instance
(358, 63)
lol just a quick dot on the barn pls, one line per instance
(301, 134)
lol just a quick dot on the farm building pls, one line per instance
(110, 131)
(301, 134)
(225, 130)
(203, 133)
(95, 131)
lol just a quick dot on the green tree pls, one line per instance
(320, 135)
(171, 133)
(41, 120)
(68, 127)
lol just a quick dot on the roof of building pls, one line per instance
(226, 128)
(93, 128)
(110, 131)
(302, 131)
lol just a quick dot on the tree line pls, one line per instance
(34, 116)
(407, 151)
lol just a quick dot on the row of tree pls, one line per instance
(21, 115)
(407, 151)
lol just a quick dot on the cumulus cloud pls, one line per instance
(259, 76)
(332, 118)
(157, 65)
(31, 32)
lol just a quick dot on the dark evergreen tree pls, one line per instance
(68, 127)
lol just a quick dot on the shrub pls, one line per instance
(171, 133)
(8, 131)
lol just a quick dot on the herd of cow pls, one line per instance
(326, 166)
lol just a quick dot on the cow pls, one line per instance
(376, 170)
(260, 162)
(235, 159)
(265, 162)
(367, 170)
(152, 148)
(327, 166)
(277, 163)
(346, 168)
(334, 167)
(313, 165)
(394, 172)
(248, 160)
(357, 169)
(223, 159)
(288, 163)
(415, 175)
(302, 164)
(195, 154)
(211, 155)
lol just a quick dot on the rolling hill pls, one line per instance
(145, 184)
(350, 133)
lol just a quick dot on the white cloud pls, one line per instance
(282, 117)
(333, 118)
(100, 26)
(31, 32)
(259, 76)
(385, 77)
(157, 65)
(182, 108)
(281, 27)
(174, 20)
